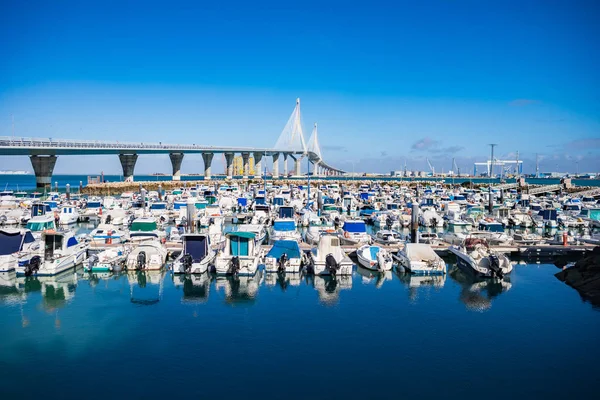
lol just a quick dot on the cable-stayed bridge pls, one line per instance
(43, 153)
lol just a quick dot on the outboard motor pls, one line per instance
(93, 260)
(131, 219)
(187, 262)
(331, 264)
(141, 260)
(495, 266)
(389, 223)
(235, 265)
(33, 266)
(281, 263)
(108, 219)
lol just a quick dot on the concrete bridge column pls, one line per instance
(285, 169)
(298, 166)
(176, 159)
(229, 165)
(207, 157)
(246, 164)
(128, 164)
(276, 165)
(258, 164)
(43, 167)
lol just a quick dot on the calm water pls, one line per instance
(368, 336)
(27, 182)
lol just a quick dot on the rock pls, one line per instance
(584, 277)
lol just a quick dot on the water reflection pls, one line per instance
(196, 288)
(57, 291)
(329, 287)
(239, 290)
(9, 292)
(477, 294)
(418, 284)
(145, 287)
(283, 280)
(373, 277)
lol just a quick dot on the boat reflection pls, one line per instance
(145, 287)
(477, 294)
(57, 290)
(283, 280)
(329, 287)
(239, 290)
(420, 283)
(196, 287)
(374, 277)
(9, 292)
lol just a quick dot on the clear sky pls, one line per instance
(388, 82)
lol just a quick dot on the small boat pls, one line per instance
(16, 247)
(148, 254)
(240, 254)
(109, 260)
(61, 252)
(354, 232)
(314, 233)
(474, 256)
(68, 215)
(387, 237)
(108, 234)
(284, 229)
(420, 259)
(328, 258)
(284, 256)
(374, 258)
(196, 256)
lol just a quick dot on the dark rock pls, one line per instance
(584, 277)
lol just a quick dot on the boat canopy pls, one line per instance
(10, 242)
(143, 226)
(94, 204)
(196, 246)
(158, 206)
(355, 227)
(284, 226)
(374, 250)
(242, 201)
(289, 247)
(286, 212)
(39, 209)
(278, 201)
(491, 227)
(260, 200)
(239, 243)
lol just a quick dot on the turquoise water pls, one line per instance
(27, 182)
(368, 336)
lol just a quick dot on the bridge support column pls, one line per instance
(298, 166)
(229, 165)
(258, 164)
(128, 164)
(285, 169)
(246, 164)
(207, 157)
(43, 167)
(176, 159)
(276, 165)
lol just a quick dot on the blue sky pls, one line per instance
(387, 83)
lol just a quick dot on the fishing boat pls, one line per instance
(147, 254)
(16, 247)
(387, 237)
(374, 258)
(474, 256)
(197, 254)
(61, 252)
(109, 260)
(328, 258)
(419, 258)
(284, 256)
(240, 254)
(68, 215)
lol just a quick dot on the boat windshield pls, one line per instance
(40, 226)
(158, 206)
(491, 227)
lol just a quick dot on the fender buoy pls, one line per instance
(346, 235)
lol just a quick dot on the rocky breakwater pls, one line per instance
(584, 276)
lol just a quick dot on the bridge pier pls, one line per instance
(229, 165)
(128, 164)
(246, 164)
(297, 166)
(285, 167)
(207, 157)
(275, 165)
(176, 159)
(43, 166)
(258, 164)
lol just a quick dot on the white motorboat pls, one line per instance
(284, 256)
(68, 215)
(475, 257)
(354, 232)
(61, 252)
(314, 233)
(240, 254)
(456, 232)
(284, 229)
(109, 260)
(328, 258)
(197, 254)
(17, 246)
(374, 258)
(147, 254)
(387, 237)
(108, 233)
(419, 258)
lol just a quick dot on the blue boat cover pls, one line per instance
(374, 251)
(10, 243)
(196, 246)
(355, 227)
(242, 201)
(284, 226)
(72, 241)
(289, 247)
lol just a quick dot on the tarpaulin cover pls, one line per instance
(196, 246)
(289, 247)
